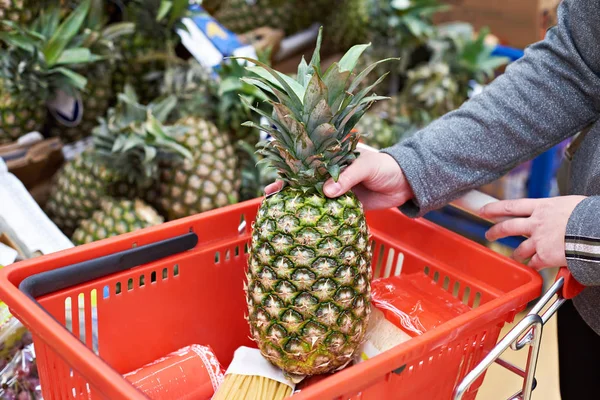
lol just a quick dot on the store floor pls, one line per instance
(500, 384)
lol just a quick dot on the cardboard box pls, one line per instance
(516, 23)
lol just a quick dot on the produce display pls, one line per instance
(166, 133)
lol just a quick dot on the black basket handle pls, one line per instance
(72, 275)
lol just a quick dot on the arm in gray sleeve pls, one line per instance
(582, 242)
(545, 97)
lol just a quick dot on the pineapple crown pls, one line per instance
(45, 53)
(99, 35)
(231, 113)
(313, 117)
(132, 139)
(405, 21)
(194, 87)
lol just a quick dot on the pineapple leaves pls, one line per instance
(366, 72)
(321, 114)
(77, 56)
(65, 33)
(294, 90)
(334, 171)
(303, 73)
(163, 109)
(315, 61)
(336, 82)
(163, 10)
(315, 91)
(178, 10)
(76, 80)
(349, 60)
(117, 30)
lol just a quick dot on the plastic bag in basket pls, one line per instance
(415, 303)
(19, 379)
(191, 373)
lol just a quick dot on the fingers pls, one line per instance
(512, 208)
(536, 262)
(511, 227)
(357, 172)
(274, 187)
(525, 251)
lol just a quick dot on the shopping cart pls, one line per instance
(101, 310)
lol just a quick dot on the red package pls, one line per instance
(191, 373)
(415, 303)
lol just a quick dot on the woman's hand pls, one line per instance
(376, 178)
(542, 221)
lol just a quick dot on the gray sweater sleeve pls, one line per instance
(547, 96)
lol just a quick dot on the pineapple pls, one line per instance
(38, 62)
(146, 54)
(129, 145)
(98, 94)
(208, 180)
(21, 12)
(213, 178)
(348, 24)
(292, 16)
(380, 130)
(116, 217)
(308, 281)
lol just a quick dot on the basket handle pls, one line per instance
(62, 278)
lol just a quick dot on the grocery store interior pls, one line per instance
(311, 199)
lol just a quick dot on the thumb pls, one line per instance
(354, 174)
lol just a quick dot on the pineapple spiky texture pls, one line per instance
(39, 61)
(129, 145)
(207, 180)
(308, 281)
(19, 11)
(116, 217)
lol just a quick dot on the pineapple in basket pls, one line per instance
(128, 146)
(147, 53)
(308, 281)
(39, 60)
(116, 217)
(100, 38)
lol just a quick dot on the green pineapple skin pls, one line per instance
(308, 291)
(96, 100)
(78, 189)
(115, 217)
(19, 11)
(19, 118)
(130, 71)
(211, 180)
(291, 16)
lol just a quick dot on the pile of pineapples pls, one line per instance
(167, 139)
(168, 135)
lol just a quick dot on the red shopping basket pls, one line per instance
(101, 310)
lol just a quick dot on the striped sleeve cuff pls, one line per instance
(582, 242)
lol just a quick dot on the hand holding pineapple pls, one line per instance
(375, 178)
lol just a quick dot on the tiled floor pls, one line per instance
(501, 384)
